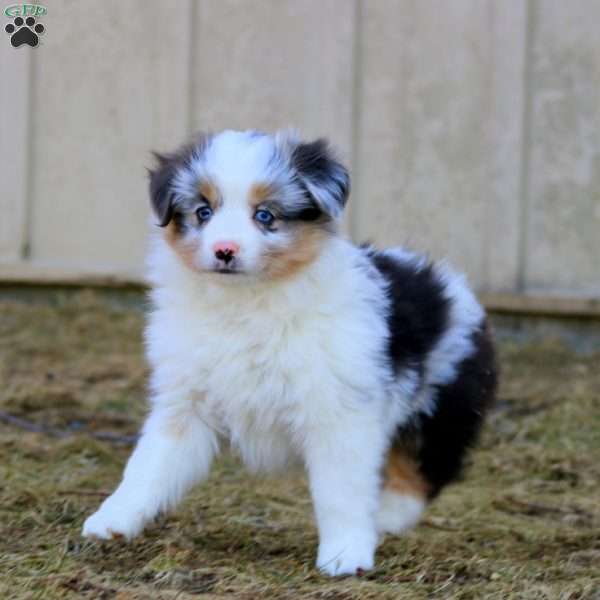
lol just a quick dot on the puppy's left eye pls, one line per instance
(264, 217)
(204, 213)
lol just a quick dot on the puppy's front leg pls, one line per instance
(174, 452)
(344, 464)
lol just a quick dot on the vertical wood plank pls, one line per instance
(101, 102)
(14, 135)
(274, 64)
(440, 82)
(563, 228)
(505, 146)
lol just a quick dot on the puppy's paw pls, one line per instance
(346, 556)
(112, 521)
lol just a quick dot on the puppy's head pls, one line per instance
(247, 203)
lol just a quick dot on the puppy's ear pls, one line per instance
(326, 180)
(161, 193)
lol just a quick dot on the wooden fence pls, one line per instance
(472, 128)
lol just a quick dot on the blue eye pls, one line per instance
(264, 217)
(204, 213)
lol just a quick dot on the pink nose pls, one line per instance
(225, 251)
(230, 247)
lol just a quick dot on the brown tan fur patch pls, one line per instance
(210, 193)
(402, 475)
(303, 249)
(186, 250)
(259, 193)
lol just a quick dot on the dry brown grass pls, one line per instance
(524, 524)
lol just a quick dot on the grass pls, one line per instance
(524, 523)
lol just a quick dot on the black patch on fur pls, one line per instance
(161, 194)
(447, 434)
(307, 214)
(418, 310)
(179, 222)
(314, 162)
(419, 317)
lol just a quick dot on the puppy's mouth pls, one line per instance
(232, 268)
(227, 271)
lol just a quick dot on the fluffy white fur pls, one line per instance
(398, 512)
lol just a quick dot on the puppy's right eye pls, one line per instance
(204, 213)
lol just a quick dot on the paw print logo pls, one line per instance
(24, 32)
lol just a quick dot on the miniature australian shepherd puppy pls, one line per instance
(273, 333)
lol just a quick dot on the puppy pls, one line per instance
(271, 332)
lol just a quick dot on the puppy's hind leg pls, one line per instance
(174, 452)
(404, 494)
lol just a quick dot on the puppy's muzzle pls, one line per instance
(225, 253)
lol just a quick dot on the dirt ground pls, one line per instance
(524, 523)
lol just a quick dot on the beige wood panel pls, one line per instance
(109, 83)
(563, 217)
(439, 131)
(14, 165)
(275, 63)
(503, 149)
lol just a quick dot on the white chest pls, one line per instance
(264, 369)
